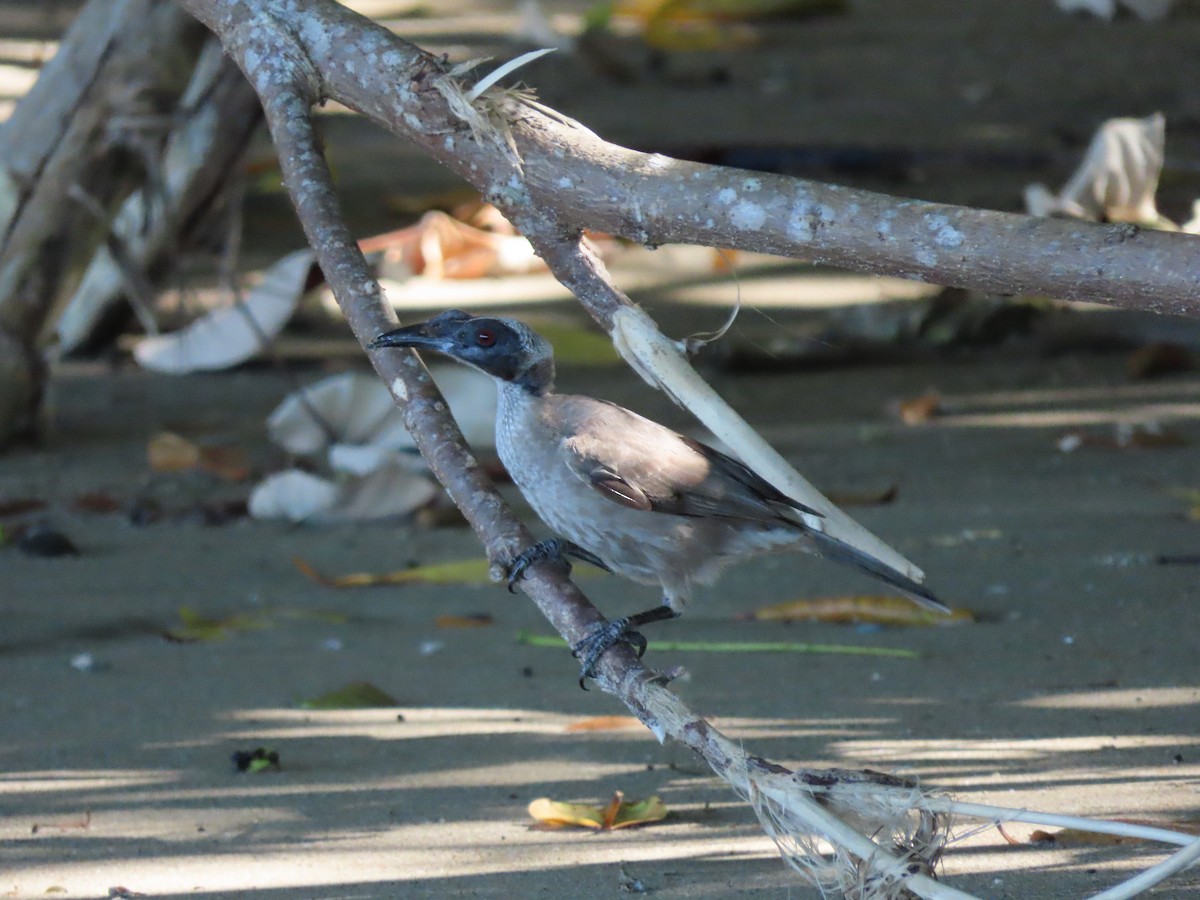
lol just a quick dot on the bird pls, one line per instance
(621, 491)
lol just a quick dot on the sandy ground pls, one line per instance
(1075, 692)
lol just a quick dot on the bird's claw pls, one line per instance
(600, 640)
(554, 548)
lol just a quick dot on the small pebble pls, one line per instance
(84, 662)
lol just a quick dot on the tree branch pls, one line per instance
(563, 168)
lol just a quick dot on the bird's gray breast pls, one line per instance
(534, 436)
(529, 439)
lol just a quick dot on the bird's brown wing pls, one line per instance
(642, 465)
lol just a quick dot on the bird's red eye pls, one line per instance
(485, 337)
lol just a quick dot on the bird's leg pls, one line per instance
(618, 631)
(554, 548)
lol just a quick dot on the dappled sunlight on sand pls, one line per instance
(417, 817)
(1117, 698)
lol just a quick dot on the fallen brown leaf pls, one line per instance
(97, 502)
(19, 506)
(226, 463)
(603, 723)
(357, 695)
(617, 813)
(169, 452)
(1152, 360)
(439, 246)
(918, 410)
(864, 498)
(1142, 436)
(479, 620)
(466, 571)
(878, 610)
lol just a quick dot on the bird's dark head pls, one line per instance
(503, 348)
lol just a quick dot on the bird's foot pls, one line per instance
(554, 548)
(600, 640)
(604, 637)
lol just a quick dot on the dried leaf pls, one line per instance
(358, 695)
(616, 814)
(1078, 837)
(387, 492)
(555, 814)
(232, 335)
(195, 627)
(464, 571)
(603, 723)
(357, 409)
(252, 762)
(1125, 435)
(21, 506)
(479, 620)
(538, 640)
(43, 541)
(224, 462)
(1152, 360)
(864, 498)
(292, 495)
(691, 25)
(299, 496)
(1074, 837)
(441, 247)
(169, 452)
(1192, 225)
(1191, 496)
(96, 502)
(1147, 10)
(1116, 181)
(1149, 435)
(919, 410)
(876, 610)
(635, 812)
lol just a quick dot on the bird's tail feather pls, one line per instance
(837, 551)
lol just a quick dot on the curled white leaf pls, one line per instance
(356, 409)
(232, 335)
(297, 496)
(1192, 225)
(1117, 179)
(362, 459)
(1147, 10)
(293, 495)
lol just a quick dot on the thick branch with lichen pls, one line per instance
(564, 169)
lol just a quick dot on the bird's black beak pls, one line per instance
(417, 336)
